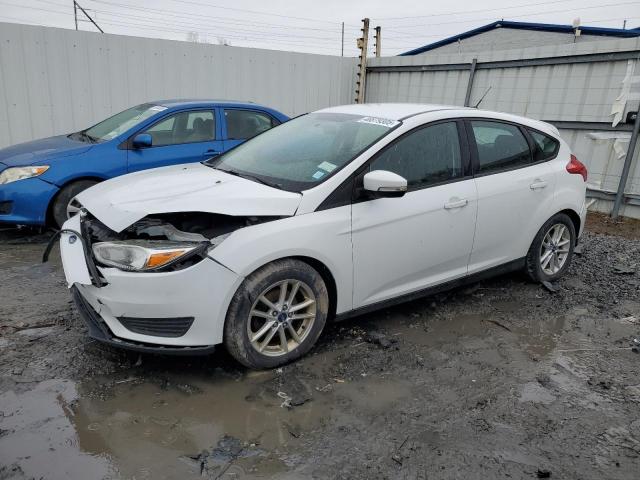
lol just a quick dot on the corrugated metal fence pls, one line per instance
(55, 81)
(576, 87)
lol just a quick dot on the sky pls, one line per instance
(312, 26)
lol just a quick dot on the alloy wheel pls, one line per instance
(73, 207)
(555, 248)
(281, 318)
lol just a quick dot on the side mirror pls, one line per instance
(382, 183)
(142, 140)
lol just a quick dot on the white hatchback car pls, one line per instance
(329, 215)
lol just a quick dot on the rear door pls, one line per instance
(241, 124)
(515, 192)
(182, 137)
(403, 245)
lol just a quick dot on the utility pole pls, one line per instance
(77, 5)
(342, 43)
(627, 166)
(378, 41)
(362, 66)
(75, 13)
(624, 24)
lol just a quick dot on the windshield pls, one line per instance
(123, 121)
(305, 151)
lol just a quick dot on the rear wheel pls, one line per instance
(65, 206)
(550, 253)
(277, 314)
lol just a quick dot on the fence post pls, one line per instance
(362, 66)
(472, 73)
(626, 169)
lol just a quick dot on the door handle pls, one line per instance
(456, 203)
(538, 184)
(212, 153)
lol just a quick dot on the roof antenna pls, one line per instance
(482, 98)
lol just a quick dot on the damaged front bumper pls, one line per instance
(181, 311)
(98, 330)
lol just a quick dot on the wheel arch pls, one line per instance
(328, 279)
(575, 218)
(49, 213)
(320, 267)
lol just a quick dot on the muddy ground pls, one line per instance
(502, 379)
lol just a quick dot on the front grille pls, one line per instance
(6, 207)
(157, 327)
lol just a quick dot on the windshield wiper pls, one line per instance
(251, 177)
(83, 136)
(91, 138)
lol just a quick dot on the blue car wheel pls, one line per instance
(62, 207)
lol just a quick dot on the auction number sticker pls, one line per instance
(384, 122)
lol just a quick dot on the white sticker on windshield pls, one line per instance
(384, 122)
(329, 167)
(318, 175)
(157, 108)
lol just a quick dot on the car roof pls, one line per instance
(392, 111)
(402, 111)
(194, 102)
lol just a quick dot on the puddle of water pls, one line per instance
(39, 437)
(434, 332)
(376, 394)
(153, 429)
(538, 338)
(162, 422)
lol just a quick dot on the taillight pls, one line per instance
(575, 166)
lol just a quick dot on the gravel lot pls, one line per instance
(500, 379)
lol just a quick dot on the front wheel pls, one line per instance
(65, 205)
(550, 253)
(277, 314)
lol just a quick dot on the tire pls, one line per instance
(68, 192)
(249, 316)
(539, 267)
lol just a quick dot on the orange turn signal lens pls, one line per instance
(158, 259)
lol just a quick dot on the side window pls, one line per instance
(500, 146)
(184, 127)
(425, 157)
(244, 124)
(546, 147)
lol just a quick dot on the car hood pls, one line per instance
(39, 151)
(183, 188)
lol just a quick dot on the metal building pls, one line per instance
(505, 35)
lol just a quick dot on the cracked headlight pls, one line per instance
(142, 255)
(13, 174)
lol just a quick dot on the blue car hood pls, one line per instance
(39, 151)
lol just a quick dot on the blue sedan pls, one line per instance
(39, 179)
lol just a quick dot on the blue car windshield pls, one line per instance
(121, 122)
(305, 151)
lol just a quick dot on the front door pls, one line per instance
(403, 245)
(182, 137)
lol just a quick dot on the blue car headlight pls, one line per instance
(13, 174)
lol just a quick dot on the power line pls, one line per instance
(254, 37)
(418, 35)
(395, 29)
(173, 12)
(191, 2)
(482, 10)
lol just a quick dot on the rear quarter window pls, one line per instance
(546, 147)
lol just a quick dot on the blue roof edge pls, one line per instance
(541, 27)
